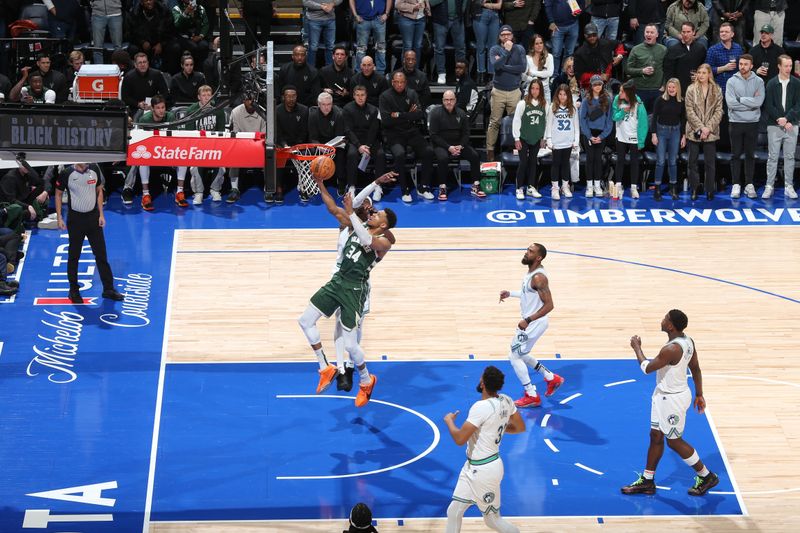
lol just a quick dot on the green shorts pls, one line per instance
(338, 294)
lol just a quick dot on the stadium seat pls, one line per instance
(39, 15)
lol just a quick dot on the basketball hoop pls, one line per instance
(302, 155)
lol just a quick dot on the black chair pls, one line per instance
(507, 156)
(38, 14)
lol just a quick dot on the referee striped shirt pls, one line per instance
(82, 188)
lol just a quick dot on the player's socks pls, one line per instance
(179, 189)
(546, 374)
(649, 474)
(323, 361)
(530, 389)
(339, 344)
(537, 366)
(704, 472)
(363, 375)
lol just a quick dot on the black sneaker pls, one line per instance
(640, 486)
(279, 197)
(303, 196)
(703, 484)
(345, 381)
(673, 191)
(75, 297)
(127, 196)
(5, 290)
(269, 197)
(657, 193)
(111, 294)
(9, 288)
(233, 196)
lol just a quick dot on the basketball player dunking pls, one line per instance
(347, 291)
(535, 301)
(363, 207)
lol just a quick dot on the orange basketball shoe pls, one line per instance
(529, 401)
(554, 384)
(147, 202)
(326, 377)
(180, 199)
(365, 391)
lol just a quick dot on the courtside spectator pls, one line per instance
(597, 56)
(337, 77)
(302, 76)
(772, 12)
(508, 60)
(410, 19)
(448, 19)
(141, 84)
(415, 78)
(192, 26)
(369, 17)
(564, 27)
(106, 15)
(401, 114)
(449, 128)
(645, 67)
(363, 137)
(765, 54)
(683, 58)
(291, 127)
(373, 82)
(245, 117)
(150, 29)
(320, 20)
(184, 84)
(682, 11)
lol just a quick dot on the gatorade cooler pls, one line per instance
(96, 83)
(490, 177)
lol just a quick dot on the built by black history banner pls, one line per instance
(62, 128)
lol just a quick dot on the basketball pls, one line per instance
(323, 167)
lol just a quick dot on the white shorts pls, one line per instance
(523, 341)
(480, 485)
(668, 412)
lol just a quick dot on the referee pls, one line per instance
(85, 220)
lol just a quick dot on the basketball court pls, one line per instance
(191, 407)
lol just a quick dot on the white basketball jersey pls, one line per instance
(344, 234)
(490, 416)
(529, 300)
(672, 378)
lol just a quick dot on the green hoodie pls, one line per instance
(618, 114)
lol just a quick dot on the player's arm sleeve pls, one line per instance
(363, 235)
(361, 196)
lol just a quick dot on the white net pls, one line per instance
(304, 155)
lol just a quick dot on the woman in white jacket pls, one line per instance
(562, 135)
(540, 65)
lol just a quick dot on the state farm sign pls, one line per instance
(196, 149)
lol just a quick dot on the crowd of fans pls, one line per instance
(649, 76)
